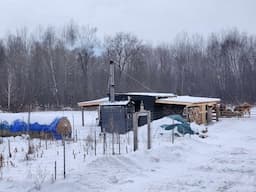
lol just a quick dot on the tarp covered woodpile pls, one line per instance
(57, 128)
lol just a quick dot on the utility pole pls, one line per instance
(112, 81)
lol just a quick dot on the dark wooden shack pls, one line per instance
(117, 116)
(158, 110)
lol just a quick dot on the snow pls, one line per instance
(47, 117)
(224, 161)
(189, 99)
(115, 103)
(93, 102)
(150, 94)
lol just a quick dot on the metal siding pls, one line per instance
(116, 119)
(157, 110)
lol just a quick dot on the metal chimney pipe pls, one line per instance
(112, 81)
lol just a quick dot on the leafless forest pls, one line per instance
(59, 67)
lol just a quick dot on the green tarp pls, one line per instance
(183, 126)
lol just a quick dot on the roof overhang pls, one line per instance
(115, 103)
(188, 101)
(93, 103)
(152, 94)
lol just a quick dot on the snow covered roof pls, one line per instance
(164, 98)
(91, 103)
(115, 103)
(187, 100)
(105, 100)
(149, 94)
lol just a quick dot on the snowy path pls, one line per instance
(225, 161)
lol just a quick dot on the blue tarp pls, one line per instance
(183, 126)
(21, 126)
(4, 125)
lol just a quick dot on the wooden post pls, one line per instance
(76, 135)
(82, 116)
(187, 113)
(28, 128)
(172, 136)
(135, 132)
(9, 148)
(73, 121)
(64, 159)
(104, 142)
(113, 143)
(217, 112)
(55, 170)
(45, 142)
(203, 114)
(149, 130)
(209, 114)
(119, 144)
(95, 143)
(135, 128)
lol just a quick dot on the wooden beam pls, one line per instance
(149, 129)
(203, 114)
(135, 132)
(82, 116)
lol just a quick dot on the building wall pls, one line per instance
(117, 119)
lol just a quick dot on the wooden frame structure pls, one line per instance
(136, 116)
(161, 104)
(91, 104)
(204, 105)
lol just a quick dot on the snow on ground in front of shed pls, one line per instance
(224, 161)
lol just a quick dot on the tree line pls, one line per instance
(53, 67)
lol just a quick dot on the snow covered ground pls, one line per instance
(224, 161)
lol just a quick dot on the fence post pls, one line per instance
(9, 148)
(119, 144)
(95, 143)
(55, 170)
(172, 136)
(113, 143)
(149, 130)
(82, 116)
(45, 142)
(73, 122)
(64, 159)
(104, 142)
(135, 132)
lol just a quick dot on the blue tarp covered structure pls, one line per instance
(4, 125)
(21, 126)
(183, 126)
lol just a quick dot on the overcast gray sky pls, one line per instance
(151, 20)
